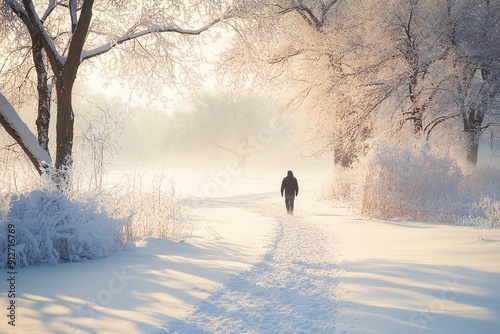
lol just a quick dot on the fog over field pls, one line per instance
(225, 166)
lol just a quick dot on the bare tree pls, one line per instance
(65, 34)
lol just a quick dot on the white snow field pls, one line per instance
(250, 268)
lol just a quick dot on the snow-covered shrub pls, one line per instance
(49, 229)
(482, 188)
(484, 215)
(482, 180)
(155, 207)
(338, 187)
(406, 182)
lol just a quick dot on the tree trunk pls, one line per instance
(416, 112)
(65, 79)
(64, 130)
(472, 149)
(472, 127)
(44, 94)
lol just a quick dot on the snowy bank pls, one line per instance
(138, 290)
(250, 268)
(404, 277)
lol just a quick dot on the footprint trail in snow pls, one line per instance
(291, 290)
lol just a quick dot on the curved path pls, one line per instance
(291, 290)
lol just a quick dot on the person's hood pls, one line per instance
(290, 173)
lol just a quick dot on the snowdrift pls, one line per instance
(48, 228)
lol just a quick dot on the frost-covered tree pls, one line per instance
(149, 38)
(473, 51)
(290, 47)
(397, 68)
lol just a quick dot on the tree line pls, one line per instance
(399, 69)
(349, 71)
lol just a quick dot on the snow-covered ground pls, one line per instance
(250, 268)
(403, 277)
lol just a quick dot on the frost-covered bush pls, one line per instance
(49, 229)
(339, 186)
(482, 180)
(154, 206)
(482, 187)
(405, 182)
(484, 215)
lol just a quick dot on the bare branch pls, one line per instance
(19, 131)
(50, 7)
(50, 49)
(306, 13)
(72, 13)
(428, 129)
(128, 37)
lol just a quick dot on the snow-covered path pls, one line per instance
(328, 272)
(320, 271)
(292, 290)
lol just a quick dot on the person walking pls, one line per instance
(290, 186)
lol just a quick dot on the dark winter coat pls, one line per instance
(290, 186)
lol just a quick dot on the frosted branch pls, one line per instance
(128, 37)
(20, 132)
